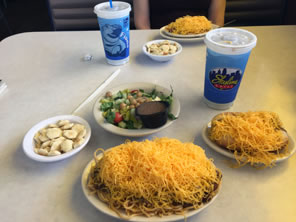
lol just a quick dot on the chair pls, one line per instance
(75, 14)
(5, 29)
(79, 15)
(255, 12)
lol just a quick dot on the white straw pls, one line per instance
(97, 91)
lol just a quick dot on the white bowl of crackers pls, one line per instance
(162, 50)
(56, 138)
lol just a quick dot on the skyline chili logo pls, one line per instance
(225, 78)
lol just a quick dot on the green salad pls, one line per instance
(119, 109)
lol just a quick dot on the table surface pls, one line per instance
(46, 76)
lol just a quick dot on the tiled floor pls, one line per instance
(23, 16)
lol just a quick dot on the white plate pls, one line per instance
(164, 30)
(225, 152)
(174, 109)
(183, 40)
(103, 207)
(28, 142)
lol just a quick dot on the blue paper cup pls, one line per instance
(115, 30)
(228, 51)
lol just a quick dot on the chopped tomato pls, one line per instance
(134, 91)
(118, 117)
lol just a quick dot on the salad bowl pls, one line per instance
(131, 126)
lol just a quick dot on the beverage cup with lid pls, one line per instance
(228, 51)
(115, 30)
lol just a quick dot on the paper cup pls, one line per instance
(228, 51)
(115, 30)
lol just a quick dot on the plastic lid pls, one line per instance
(119, 9)
(232, 41)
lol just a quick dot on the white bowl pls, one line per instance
(28, 142)
(161, 58)
(174, 109)
(104, 208)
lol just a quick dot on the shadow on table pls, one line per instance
(144, 60)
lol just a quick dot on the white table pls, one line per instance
(46, 76)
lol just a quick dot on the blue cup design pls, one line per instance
(115, 36)
(223, 76)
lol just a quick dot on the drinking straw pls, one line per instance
(97, 91)
(110, 1)
(230, 22)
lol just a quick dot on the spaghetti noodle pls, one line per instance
(189, 25)
(154, 178)
(253, 137)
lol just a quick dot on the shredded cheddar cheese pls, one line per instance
(254, 137)
(190, 25)
(159, 177)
